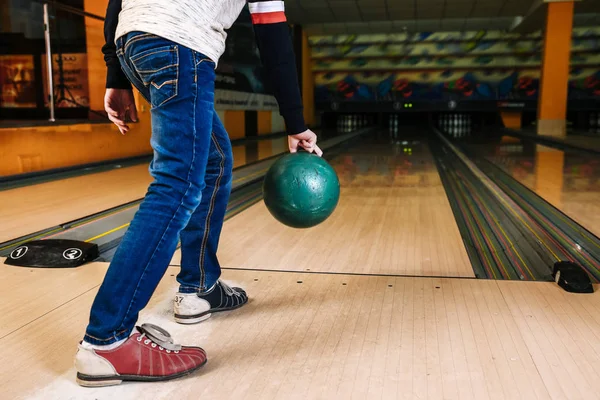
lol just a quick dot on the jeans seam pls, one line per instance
(211, 209)
(201, 61)
(176, 211)
(136, 38)
(175, 81)
(152, 71)
(177, 89)
(171, 49)
(106, 340)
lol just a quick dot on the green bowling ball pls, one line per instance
(301, 190)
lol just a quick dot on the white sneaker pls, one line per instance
(190, 309)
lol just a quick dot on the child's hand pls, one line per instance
(307, 140)
(120, 107)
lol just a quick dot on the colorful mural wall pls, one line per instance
(445, 66)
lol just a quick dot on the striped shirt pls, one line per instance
(200, 25)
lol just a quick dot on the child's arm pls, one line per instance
(277, 54)
(115, 78)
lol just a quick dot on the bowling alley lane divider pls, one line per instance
(106, 228)
(562, 230)
(585, 144)
(489, 239)
(505, 237)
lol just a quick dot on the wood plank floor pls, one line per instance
(393, 218)
(332, 336)
(333, 319)
(30, 293)
(33, 208)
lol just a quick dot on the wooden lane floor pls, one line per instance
(393, 218)
(568, 180)
(33, 208)
(331, 336)
(31, 293)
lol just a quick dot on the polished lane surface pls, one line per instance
(36, 207)
(568, 180)
(393, 218)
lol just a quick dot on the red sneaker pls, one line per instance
(147, 356)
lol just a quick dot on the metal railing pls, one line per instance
(48, 37)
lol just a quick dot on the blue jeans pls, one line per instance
(192, 169)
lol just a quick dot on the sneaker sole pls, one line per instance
(189, 320)
(101, 381)
(194, 319)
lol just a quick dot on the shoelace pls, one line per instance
(228, 290)
(157, 336)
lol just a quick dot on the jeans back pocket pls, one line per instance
(158, 69)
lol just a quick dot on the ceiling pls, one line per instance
(386, 16)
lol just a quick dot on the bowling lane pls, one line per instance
(393, 218)
(568, 180)
(36, 207)
(256, 150)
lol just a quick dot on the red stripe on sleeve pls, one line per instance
(269, 18)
